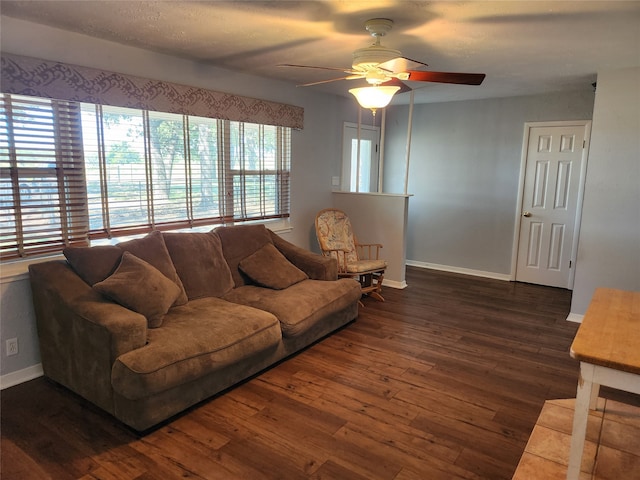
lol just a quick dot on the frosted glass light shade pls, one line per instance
(374, 97)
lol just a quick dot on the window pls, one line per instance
(133, 171)
(362, 175)
(42, 190)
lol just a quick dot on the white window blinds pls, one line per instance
(42, 190)
(258, 170)
(151, 170)
(73, 172)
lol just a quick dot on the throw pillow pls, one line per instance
(94, 264)
(153, 250)
(269, 268)
(140, 287)
(238, 242)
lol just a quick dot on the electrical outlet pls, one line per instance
(12, 346)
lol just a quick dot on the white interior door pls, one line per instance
(554, 174)
(360, 176)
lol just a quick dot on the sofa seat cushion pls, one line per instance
(195, 339)
(301, 305)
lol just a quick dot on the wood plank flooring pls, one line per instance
(444, 380)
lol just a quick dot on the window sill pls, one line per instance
(19, 269)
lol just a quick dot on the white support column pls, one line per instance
(408, 149)
(383, 125)
(358, 150)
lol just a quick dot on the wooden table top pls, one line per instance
(610, 331)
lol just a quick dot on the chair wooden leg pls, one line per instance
(371, 284)
(377, 296)
(377, 293)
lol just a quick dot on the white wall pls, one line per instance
(464, 172)
(17, 320)
(380, 218)
(609, 247)
(316, 150)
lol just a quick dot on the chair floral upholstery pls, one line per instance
(357, 260)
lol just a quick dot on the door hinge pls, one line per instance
(377, 148)
(570, 263)
(584, 143)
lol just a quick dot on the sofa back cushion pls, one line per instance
(200, 264)
(238, 242)
(94, 264)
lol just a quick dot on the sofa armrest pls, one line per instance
(80, 332)
(316, 266)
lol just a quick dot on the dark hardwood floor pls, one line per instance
(444, 380)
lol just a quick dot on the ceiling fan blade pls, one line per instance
(334, 69)
(446, 77)
(400, 64)
(394, 82)
(349, 77)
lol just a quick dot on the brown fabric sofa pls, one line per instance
(147, 328)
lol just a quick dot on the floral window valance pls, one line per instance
(43, 78)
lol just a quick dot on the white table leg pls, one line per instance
(595, 391)
(580, 416)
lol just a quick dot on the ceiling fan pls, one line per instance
(383, 67)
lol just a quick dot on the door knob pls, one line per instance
(526, 214)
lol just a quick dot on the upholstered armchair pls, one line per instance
(356, 260)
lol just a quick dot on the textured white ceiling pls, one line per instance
(524, 47)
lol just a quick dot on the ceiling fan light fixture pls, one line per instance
(374, 97)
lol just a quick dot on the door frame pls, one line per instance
(528, 126)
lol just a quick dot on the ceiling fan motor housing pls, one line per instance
(364, 59)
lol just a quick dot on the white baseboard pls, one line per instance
(21, 376)
(464, 271)
(575, 317)
(394, 284)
